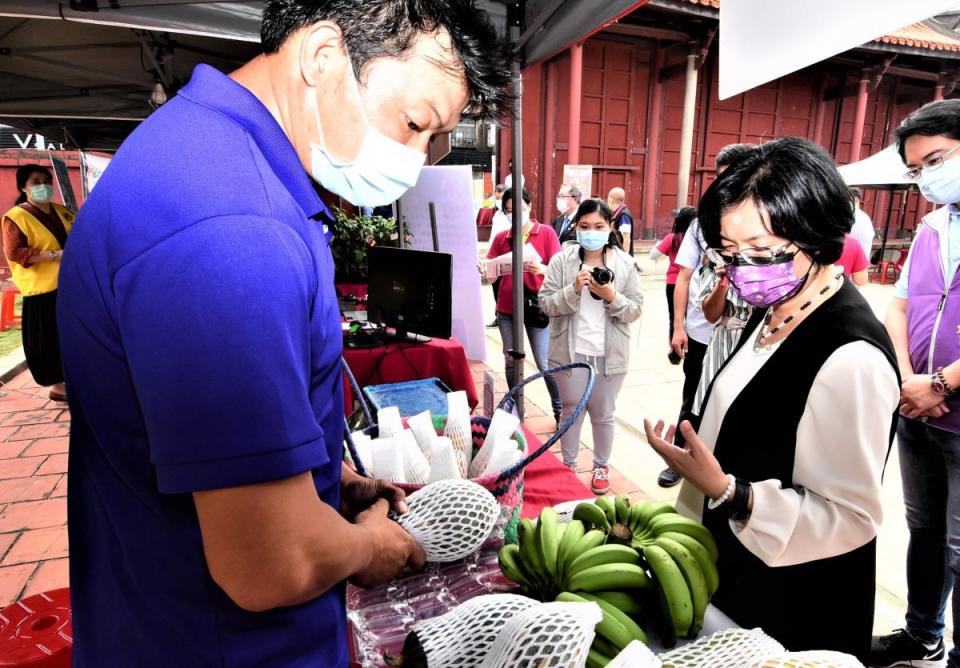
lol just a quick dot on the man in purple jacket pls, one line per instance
(924, 323)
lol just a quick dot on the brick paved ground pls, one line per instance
(33, 490)
(33, 484)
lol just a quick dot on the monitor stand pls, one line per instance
(401, 336)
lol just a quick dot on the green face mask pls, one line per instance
(41, 193)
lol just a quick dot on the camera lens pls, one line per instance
(602, 275)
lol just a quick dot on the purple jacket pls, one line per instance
(933, 310)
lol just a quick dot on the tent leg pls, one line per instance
(518, 351)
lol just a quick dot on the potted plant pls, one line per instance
(353, 234)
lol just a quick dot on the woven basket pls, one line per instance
(506, 486)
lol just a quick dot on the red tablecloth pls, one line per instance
(356, 290)
(398, 362)
(547, 482)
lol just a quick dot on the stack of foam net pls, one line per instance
(417, 455)
(505, 630)
(750, 648)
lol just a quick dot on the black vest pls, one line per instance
(825, 604)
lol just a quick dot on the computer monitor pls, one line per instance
(410, 291)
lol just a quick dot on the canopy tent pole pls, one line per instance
(517, 352)
(686, 128)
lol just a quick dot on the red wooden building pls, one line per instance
(627, 119)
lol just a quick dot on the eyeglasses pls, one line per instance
(564, 196)
(930, 165)
(756, 257)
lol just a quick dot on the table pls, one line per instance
(547, 482)
(398, 362)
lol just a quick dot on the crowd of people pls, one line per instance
(793, 389)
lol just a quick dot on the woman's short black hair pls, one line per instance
(730, 153)
(388, 28)
(796, 186)
(599, 206)
(684, 217)
(24, 172)
(934, 118)
(508, 196)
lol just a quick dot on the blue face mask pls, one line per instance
(592, 240)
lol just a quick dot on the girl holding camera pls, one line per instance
(591, 293)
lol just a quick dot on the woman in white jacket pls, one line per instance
(591, 293)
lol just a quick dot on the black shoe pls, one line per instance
(900, 648)
(668, 478)
(674, 358)
(556, 416)
(493, 324)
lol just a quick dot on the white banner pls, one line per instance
(451, 191)
(763, 40)
(93, 167)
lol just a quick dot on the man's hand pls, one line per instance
(395, 548)
(917, 396)
(679, 342)
(358, 493)
(582, 279)
(606, 292)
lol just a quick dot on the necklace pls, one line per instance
(766, 331)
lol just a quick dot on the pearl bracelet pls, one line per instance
(713, 504)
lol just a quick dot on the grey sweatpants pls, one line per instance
(600, 408)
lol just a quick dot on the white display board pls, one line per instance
(451, 191)
(763, 40)
(93, 168)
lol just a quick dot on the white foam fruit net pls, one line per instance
(386, 460)
(416, 468)
(458, 431)
(503, 425)
(421, 425)
(547, 635)
(731, 647)
(810, 659)
(463, 636)
(450, 519)
(443, 461)
(388, 421)
(635, 655)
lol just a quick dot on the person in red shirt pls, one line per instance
(546, 243)
(670, 246)
(854, 261)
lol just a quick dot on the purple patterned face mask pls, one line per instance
(766, 285)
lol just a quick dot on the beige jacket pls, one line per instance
(561, 303)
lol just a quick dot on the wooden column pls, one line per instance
(576, 98)
(856, 141)
(651, 161)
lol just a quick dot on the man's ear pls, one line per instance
(321, 50)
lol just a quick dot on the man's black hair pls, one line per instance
(797, 189)
(856, 193)
(387, 29)
(730, 153)
(508, 196)
(934, 118)
(576, 194)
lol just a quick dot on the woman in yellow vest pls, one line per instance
(34, 235)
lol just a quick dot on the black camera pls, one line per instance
(602, 275)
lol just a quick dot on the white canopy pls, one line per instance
(883, 169)
(763, 40)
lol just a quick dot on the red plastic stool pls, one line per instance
(36, 631)
(884, 266)
(8, 318)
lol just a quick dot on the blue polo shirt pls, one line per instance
(201, 344)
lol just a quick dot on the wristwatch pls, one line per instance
(939, 384)
(53, 255)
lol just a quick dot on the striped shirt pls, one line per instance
(725, 336)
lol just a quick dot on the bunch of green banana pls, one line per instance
(686, 578)
(614, 632)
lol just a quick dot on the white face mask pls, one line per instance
(379, 174)
(561, 204)
(41, 193)
(942, 186)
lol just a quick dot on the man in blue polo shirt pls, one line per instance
(211, 521)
